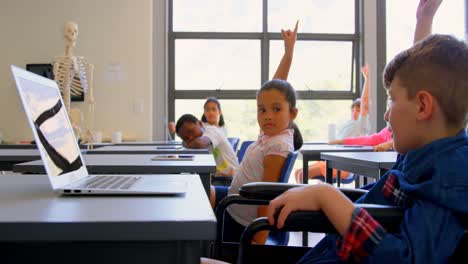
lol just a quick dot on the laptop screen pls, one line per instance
(51, 127)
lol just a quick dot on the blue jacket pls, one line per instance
(434, 179)
(431, 183)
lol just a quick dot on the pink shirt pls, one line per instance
(377, 138)
(251, 169)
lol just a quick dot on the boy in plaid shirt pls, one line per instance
(428, 90)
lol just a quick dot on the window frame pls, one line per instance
(264, 37)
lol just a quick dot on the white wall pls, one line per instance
(160, 60)
(115, 35)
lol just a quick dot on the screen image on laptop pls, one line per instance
(48, 114)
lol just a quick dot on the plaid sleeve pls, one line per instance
(391, 189)
(362, 237)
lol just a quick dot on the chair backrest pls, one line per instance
(288, 166)
(234, 142)
(280, 237)
(243, 148)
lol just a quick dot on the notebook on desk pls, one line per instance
(59, 150)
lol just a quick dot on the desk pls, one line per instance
(202, 164)
(39, 226)
(10, 157)
(367, 164)
(315, 142)
(33, 146)
(145, 149)
(312, 153)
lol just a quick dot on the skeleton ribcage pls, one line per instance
(77, 74)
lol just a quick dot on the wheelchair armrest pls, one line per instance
(389, 217)
(270, 190)
(265, 190)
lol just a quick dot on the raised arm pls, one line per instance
(289, 38)
(365, 91)
(424, 17)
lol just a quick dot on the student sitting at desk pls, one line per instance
(194, 135)
(358, 125)
(381, 141)
(212, 117)
(265, 158)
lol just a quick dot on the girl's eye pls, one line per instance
(260, 110)
(276, 109)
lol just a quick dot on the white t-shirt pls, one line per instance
(251, 169)
(221, 129)
(222, 151)
(355, 128)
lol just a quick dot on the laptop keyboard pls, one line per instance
(110, 182)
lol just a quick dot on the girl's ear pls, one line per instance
(293, 114)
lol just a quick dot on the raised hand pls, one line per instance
(172, 127)
(365, 71)
(427, 8)
(289, 38)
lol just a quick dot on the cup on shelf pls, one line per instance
(116, 137)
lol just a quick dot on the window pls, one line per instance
(401, 22)
(228, 48)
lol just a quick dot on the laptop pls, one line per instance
(57, 144)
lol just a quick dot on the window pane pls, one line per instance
(315, 115)
(318, 16)
(401, 22)
(217, 64)
(241, 116)
(217, 15)
(317, 65)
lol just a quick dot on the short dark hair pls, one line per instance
(215, 100)
(183, 119)
(438, 64)
(356, 103)
(283, 87)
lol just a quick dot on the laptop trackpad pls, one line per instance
(151, 183)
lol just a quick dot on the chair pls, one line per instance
(315, 221)
(234, 142)
(275, 238)
(243, 148)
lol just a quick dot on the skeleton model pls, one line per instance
(74, 76)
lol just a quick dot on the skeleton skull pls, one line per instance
(71, 32)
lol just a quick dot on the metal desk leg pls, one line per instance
(305, 180)
(329, 173)
(305, 170)
(338, 178)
